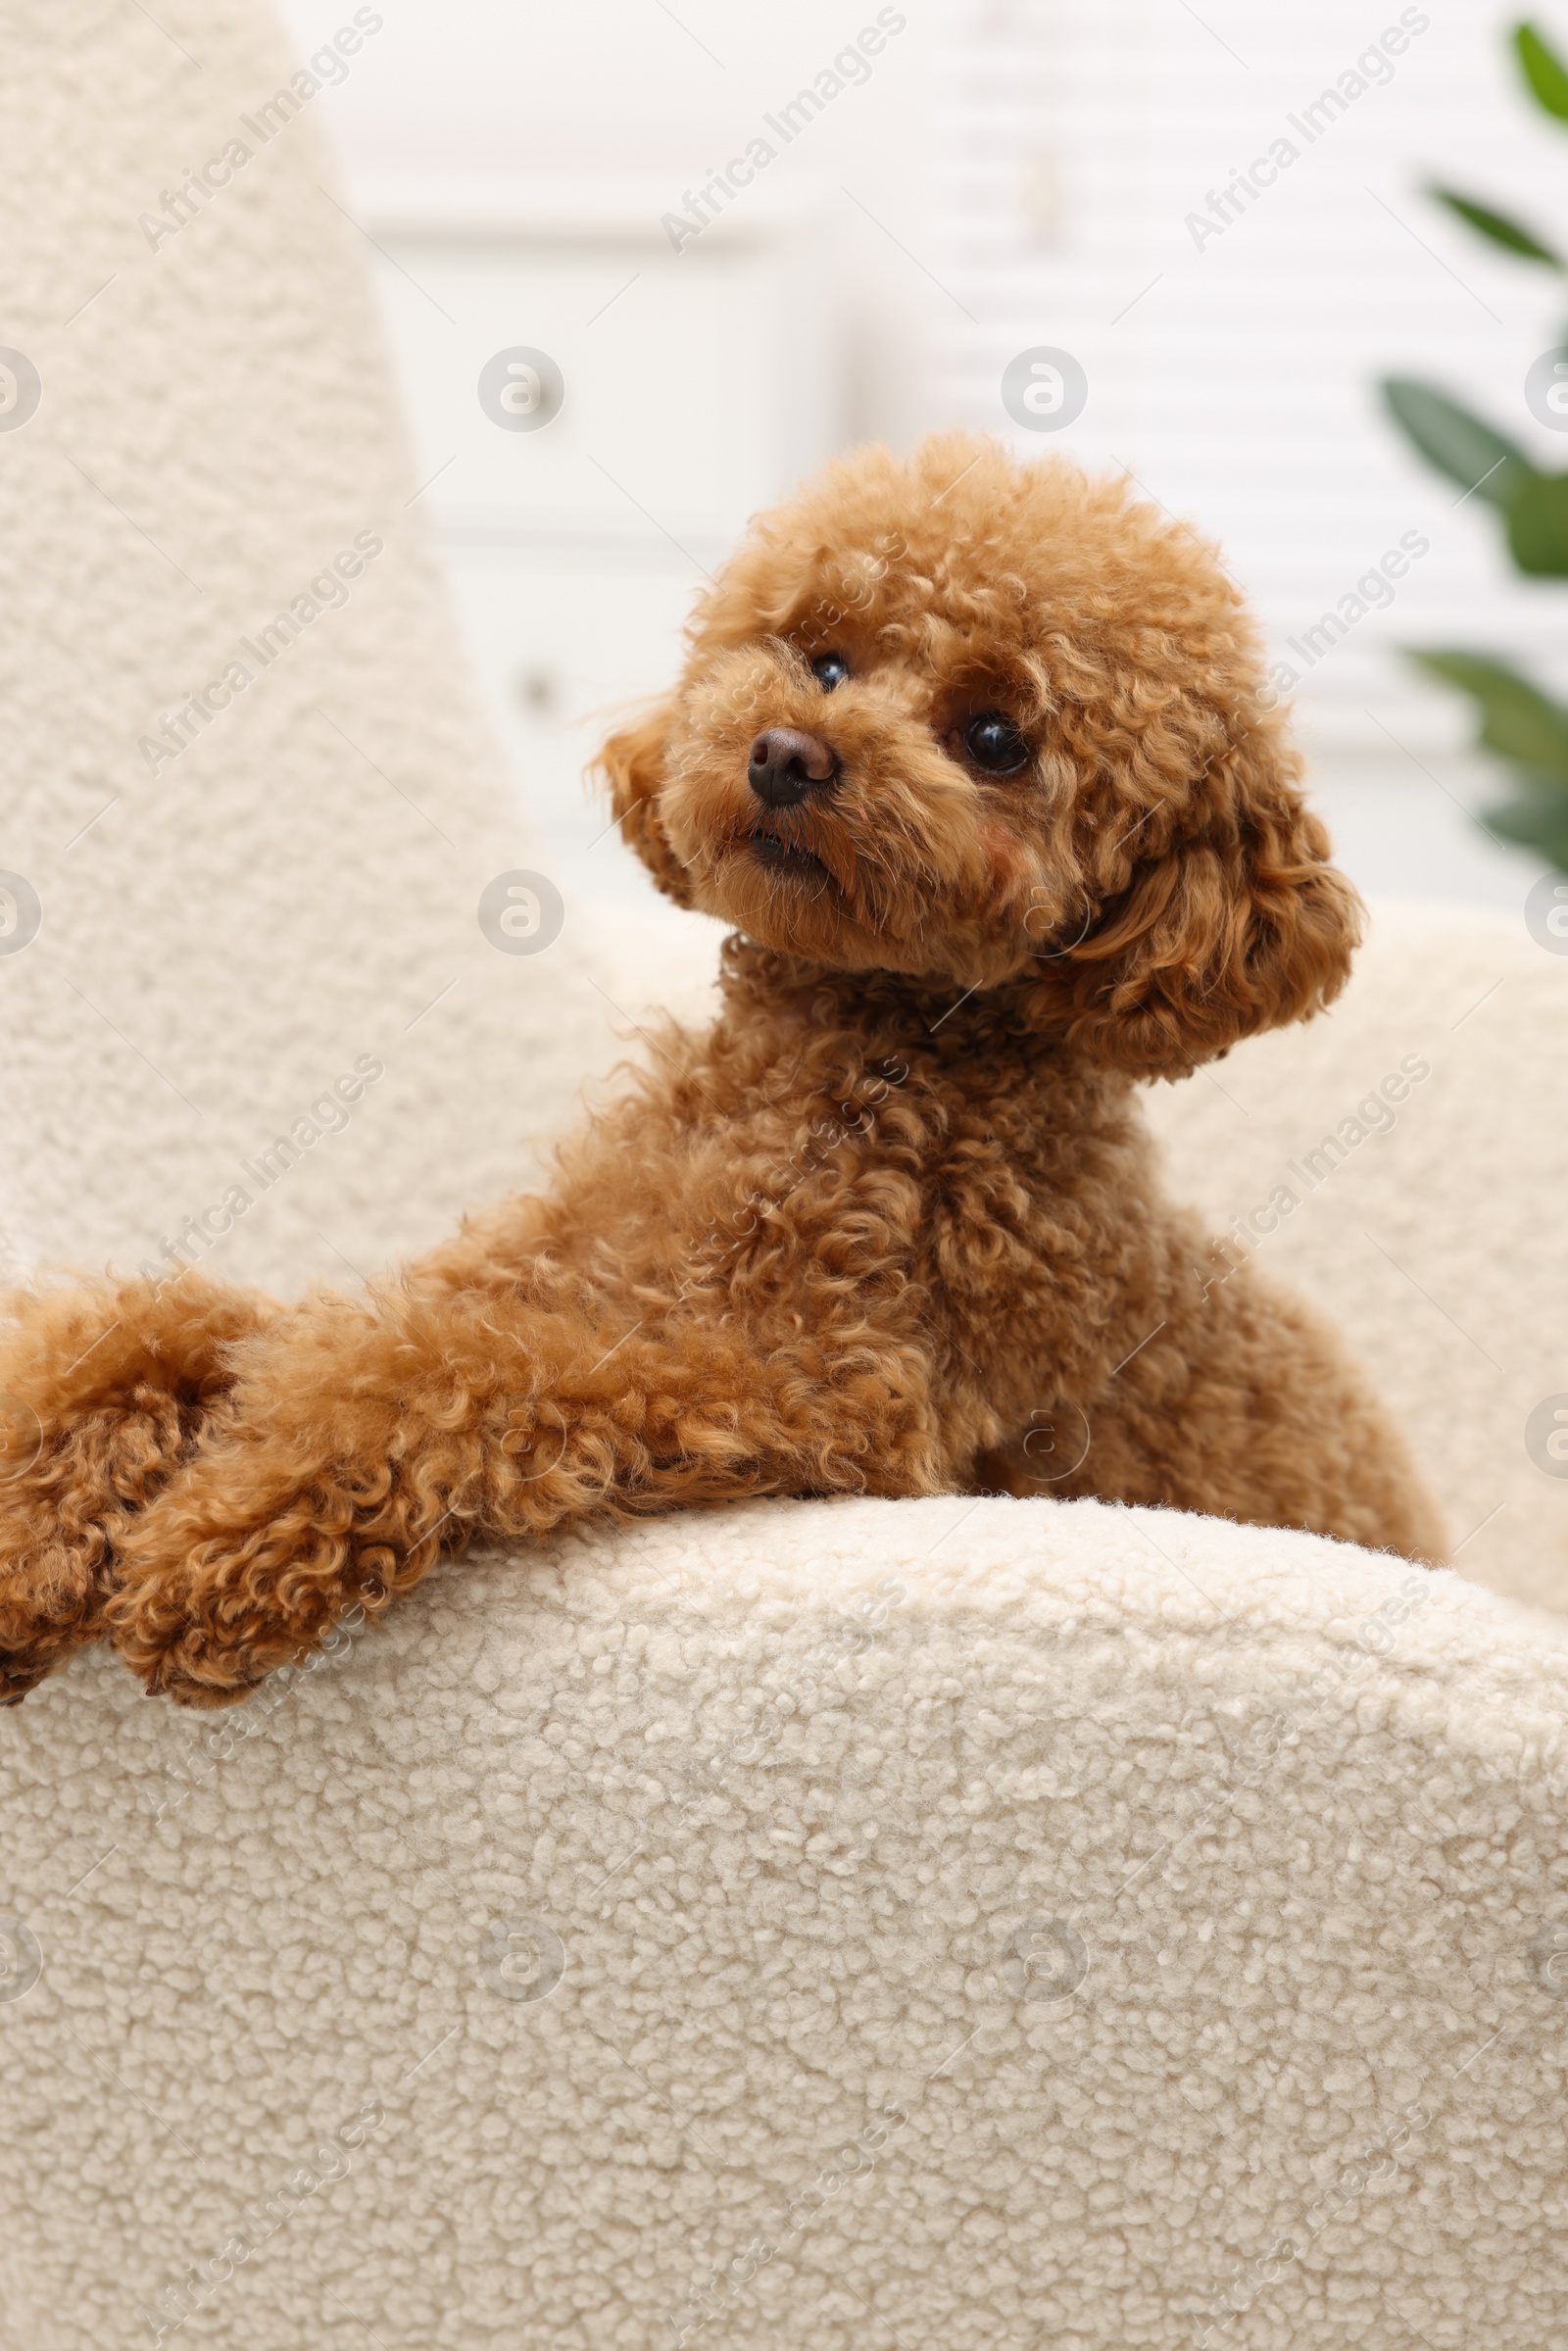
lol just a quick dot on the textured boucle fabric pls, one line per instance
(847, 1926)
(299, 885)
(976, 1924)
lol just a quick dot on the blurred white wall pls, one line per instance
(1003, 174)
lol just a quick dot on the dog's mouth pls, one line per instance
(789, 858)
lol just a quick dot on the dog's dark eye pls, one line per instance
(995, 743)
(830, 670)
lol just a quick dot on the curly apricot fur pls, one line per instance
(893, 1217)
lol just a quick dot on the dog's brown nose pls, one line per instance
(785, 763)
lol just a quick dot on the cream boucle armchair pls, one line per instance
(975, 1925)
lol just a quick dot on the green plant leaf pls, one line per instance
(1540, 822)
(1459, 445)
(1544, 70)
(1496, 225)
(1538, 526)
(1518, 722)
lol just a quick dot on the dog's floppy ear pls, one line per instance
(1239, 924)
(633, 761)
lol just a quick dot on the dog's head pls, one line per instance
(995, 725)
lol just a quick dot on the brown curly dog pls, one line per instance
(975, 759)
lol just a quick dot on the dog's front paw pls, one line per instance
(30, 1649)
(203, 1617)
(68, 1490)
(187, 1639)
(242, 1566)
(336, 1473)
(102, 1390)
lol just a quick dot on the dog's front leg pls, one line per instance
(104, 1388)
(363, 1440)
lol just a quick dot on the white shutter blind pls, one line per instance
(1232, 368)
